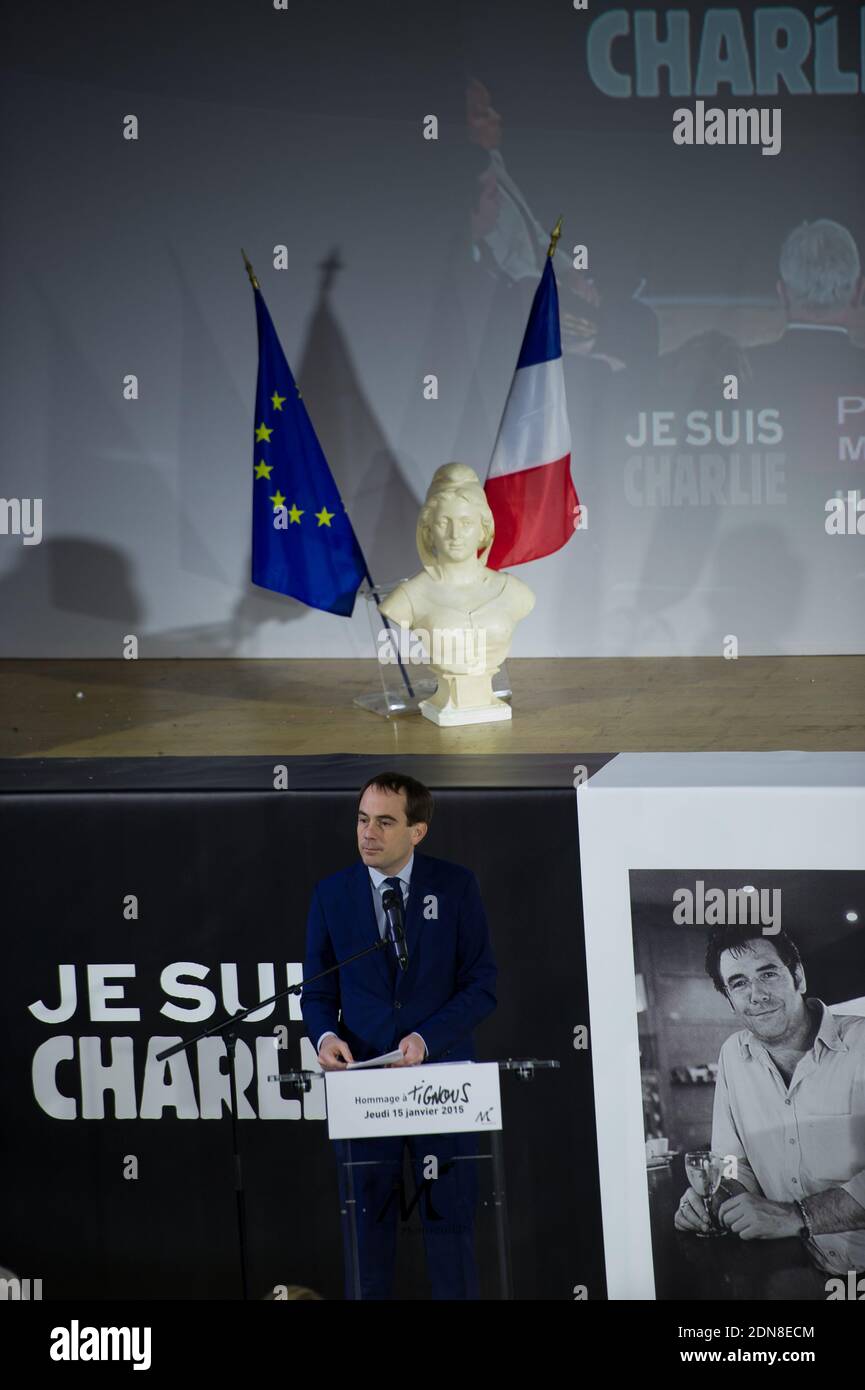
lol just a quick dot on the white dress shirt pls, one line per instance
(794, 1141)
(377, 881)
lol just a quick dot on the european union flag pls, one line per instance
(302, 540)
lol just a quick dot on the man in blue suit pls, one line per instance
(427, 1011)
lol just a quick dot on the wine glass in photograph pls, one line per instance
(705, 1170)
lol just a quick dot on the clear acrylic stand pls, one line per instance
(494, 1199)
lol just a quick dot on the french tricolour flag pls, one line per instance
(529, 485)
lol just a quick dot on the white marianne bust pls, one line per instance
(463, 612)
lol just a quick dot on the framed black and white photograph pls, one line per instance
(730, 966)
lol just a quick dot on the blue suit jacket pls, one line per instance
(449, 985)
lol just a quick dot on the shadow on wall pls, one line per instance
(382, 507)
(63, 577)
(80, 594)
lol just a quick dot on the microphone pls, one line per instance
(393, 915)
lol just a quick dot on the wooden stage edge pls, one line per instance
(201, 708)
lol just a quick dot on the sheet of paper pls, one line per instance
(384, 1060)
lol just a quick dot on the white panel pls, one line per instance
(677, 811)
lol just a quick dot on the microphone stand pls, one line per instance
(301, 1080)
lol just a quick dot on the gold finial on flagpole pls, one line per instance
(554, 237)
(249, 270)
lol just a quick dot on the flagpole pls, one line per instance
(554, 239)
(249, 270)
(253, 280)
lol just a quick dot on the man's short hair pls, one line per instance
(418, 798)
(737, 940)
(819, 265)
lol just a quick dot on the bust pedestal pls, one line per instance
(464, 700)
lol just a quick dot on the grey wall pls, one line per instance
(259, 128)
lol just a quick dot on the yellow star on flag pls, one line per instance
(263, 433)
(294, 514)
(278, 500)
(263, 470)
(276, 401)
(324, 516)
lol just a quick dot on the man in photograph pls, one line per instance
(821, 289)
(427, 1010)
(789, 1106)
(814, 374)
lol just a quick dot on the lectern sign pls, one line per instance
(436, 1099)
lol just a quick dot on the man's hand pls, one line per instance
(691, 1214)
(334, 1055)
(413, 1051)
(756, 1218)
